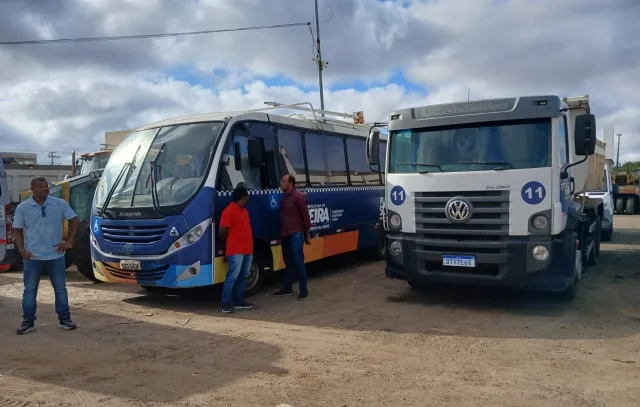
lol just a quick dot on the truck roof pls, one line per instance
(475, 111)
(101, 152)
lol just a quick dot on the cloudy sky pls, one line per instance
(382, 55)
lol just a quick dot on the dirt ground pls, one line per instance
(358, 340)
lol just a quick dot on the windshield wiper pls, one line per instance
(112, 190)
(155, 201)
(422, 165)
(500, 164)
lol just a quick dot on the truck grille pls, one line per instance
(133, 234)
(484, 235)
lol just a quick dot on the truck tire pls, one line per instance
(82, 252)
(607, 234)
(254, 282)
(630, 206)
(619, 206)
(569, 293)
(68, 259)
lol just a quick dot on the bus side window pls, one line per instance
(231, 177)
(359, 171)
(326, 159)
(268, 174)
(292, 155)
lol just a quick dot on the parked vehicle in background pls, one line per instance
(488, 193)
(6, 233)
(156, 209)
(78, 192)
(627, 197)
(605, 191)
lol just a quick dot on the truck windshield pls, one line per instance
(477, 147)
(179, 170)
(96, 162)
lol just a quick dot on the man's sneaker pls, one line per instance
(282, 293)
(227, 308)
(243, 305)
(25, 328)
(302, 296)
(67, 324)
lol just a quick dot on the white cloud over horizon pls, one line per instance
(64, 97)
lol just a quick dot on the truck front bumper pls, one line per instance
(509, 263)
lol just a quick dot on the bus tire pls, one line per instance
(255, 281)
(418, 285)
(381, 249)
(630, 206)
(82, 251)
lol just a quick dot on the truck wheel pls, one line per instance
(630, 206)
(254, 282)
(68, 259)
(569, 293)
(619, 206)
(82, 251)
(607, 235)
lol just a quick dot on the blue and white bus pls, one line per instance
(158, 203)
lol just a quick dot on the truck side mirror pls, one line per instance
(373, 148)
(237, 156)
(585, 134)
(254, 149)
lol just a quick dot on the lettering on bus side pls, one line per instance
(319, 215)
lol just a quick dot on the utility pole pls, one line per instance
(318, 59)
(618, 155)
(53, 156)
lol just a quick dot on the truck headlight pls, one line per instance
(395, 221)
(540, 222)
(540, 253)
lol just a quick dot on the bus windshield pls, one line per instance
(476, 147)
(179, 156)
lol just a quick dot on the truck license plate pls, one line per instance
(458, 261)
(130, 264)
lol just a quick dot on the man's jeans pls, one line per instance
(293, 253)
(32, 270)
(239, 270)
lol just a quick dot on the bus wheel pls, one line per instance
(418, 285)
(381, 249)
(255, 280)
(82, 251)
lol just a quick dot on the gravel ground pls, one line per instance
(359, 340)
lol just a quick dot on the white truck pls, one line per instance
(490, 193)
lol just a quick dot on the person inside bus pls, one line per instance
(295, 226)
(235, 231)
(38, 235)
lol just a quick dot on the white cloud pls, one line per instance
(66, 96)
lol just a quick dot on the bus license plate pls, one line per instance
(130, 264)
(459, 261)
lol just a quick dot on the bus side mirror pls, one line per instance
(585, 134)
(254, 149)
(373, 148)
(237, 156)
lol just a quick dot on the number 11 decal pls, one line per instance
(533, 192)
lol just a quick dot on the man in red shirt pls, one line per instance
(295, 227)
(235, 230)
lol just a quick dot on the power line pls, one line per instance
(141, 36)
(53, 156)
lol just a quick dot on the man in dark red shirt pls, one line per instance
(235, 230)
(295, 227)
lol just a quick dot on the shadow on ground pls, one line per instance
(116, 356)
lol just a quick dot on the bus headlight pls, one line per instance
(190, 237)
(540, 222)
(395, 221)
(540, 253)
(395, 248)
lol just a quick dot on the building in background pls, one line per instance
(9, 157)
(113, 138)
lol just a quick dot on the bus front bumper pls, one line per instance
(510, 264)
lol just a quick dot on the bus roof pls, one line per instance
(317, 122)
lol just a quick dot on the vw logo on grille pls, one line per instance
(128, 248)
(458, 210)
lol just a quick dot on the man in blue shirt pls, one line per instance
(37, 227)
